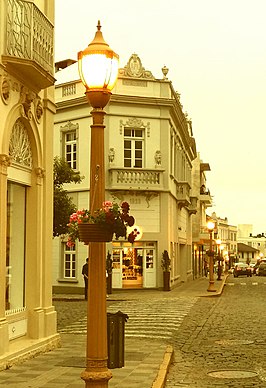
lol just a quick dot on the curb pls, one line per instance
(217, 292)
(159, 382)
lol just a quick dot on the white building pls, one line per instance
(149, 150)
(258, 242)
(27, 317)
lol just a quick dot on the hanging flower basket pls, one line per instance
(101, 225)
(94, 233)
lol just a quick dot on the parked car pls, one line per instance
(242, 269)
(261, 271)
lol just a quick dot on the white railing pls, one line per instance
(68, 90)
(142, 178)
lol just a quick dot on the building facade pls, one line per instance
(149, 150)
(202, 201)
(27, 317)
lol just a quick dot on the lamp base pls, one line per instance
(211, 287)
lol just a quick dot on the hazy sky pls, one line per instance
(216, 54)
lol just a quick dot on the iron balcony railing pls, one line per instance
(29, 34)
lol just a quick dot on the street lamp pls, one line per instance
(98, 69)
(210, 226)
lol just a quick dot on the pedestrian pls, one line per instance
(85, 277)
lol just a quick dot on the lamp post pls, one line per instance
(98, 69)
(210, 226)
(218, 243)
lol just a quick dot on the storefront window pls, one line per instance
(15, 252)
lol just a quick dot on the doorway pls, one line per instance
(134, 266)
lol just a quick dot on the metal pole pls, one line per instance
(97, 374)
(211, 274)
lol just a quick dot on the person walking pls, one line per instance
(85, 277)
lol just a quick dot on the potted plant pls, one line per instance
(101, 225)
(165, 264)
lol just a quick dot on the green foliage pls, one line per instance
(63, 173)
(63, 204)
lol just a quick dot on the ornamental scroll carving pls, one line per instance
(29, 99)
(134, 122)
(5, 90)
(5, 162)
(134, 69)
(40, 173)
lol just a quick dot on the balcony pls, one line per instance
(183, 194)
(135, 179)
(204, 235)
(192, 208)
(205, 197)
(29, 44)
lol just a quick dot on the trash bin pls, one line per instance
(116, 339)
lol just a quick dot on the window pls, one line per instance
(15, 252)
(69, 134)
(133, 147)
(69, 262)
(71, 149)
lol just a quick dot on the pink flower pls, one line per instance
(107, 205)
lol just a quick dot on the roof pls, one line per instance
(67, 74)
(245, 248)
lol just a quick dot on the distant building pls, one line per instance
(257, 242)
(228, 235)
(247, 254)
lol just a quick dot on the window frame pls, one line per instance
(133, 139)
(71, 252)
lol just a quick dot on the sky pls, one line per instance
(216, 54)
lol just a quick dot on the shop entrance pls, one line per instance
(132, 272)
(134, 267)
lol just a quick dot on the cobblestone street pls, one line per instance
(222, 341)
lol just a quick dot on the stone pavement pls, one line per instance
(146, 360)
(221, 342)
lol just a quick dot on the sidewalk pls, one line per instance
(146, 361)
(196, 288)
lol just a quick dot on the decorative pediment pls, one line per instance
(134, 69)
(134, 122)
(69, 127)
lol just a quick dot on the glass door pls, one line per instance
(132, 268)
(149, 268)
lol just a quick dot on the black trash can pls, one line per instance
(116, 339)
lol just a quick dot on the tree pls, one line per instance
(63, 204)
